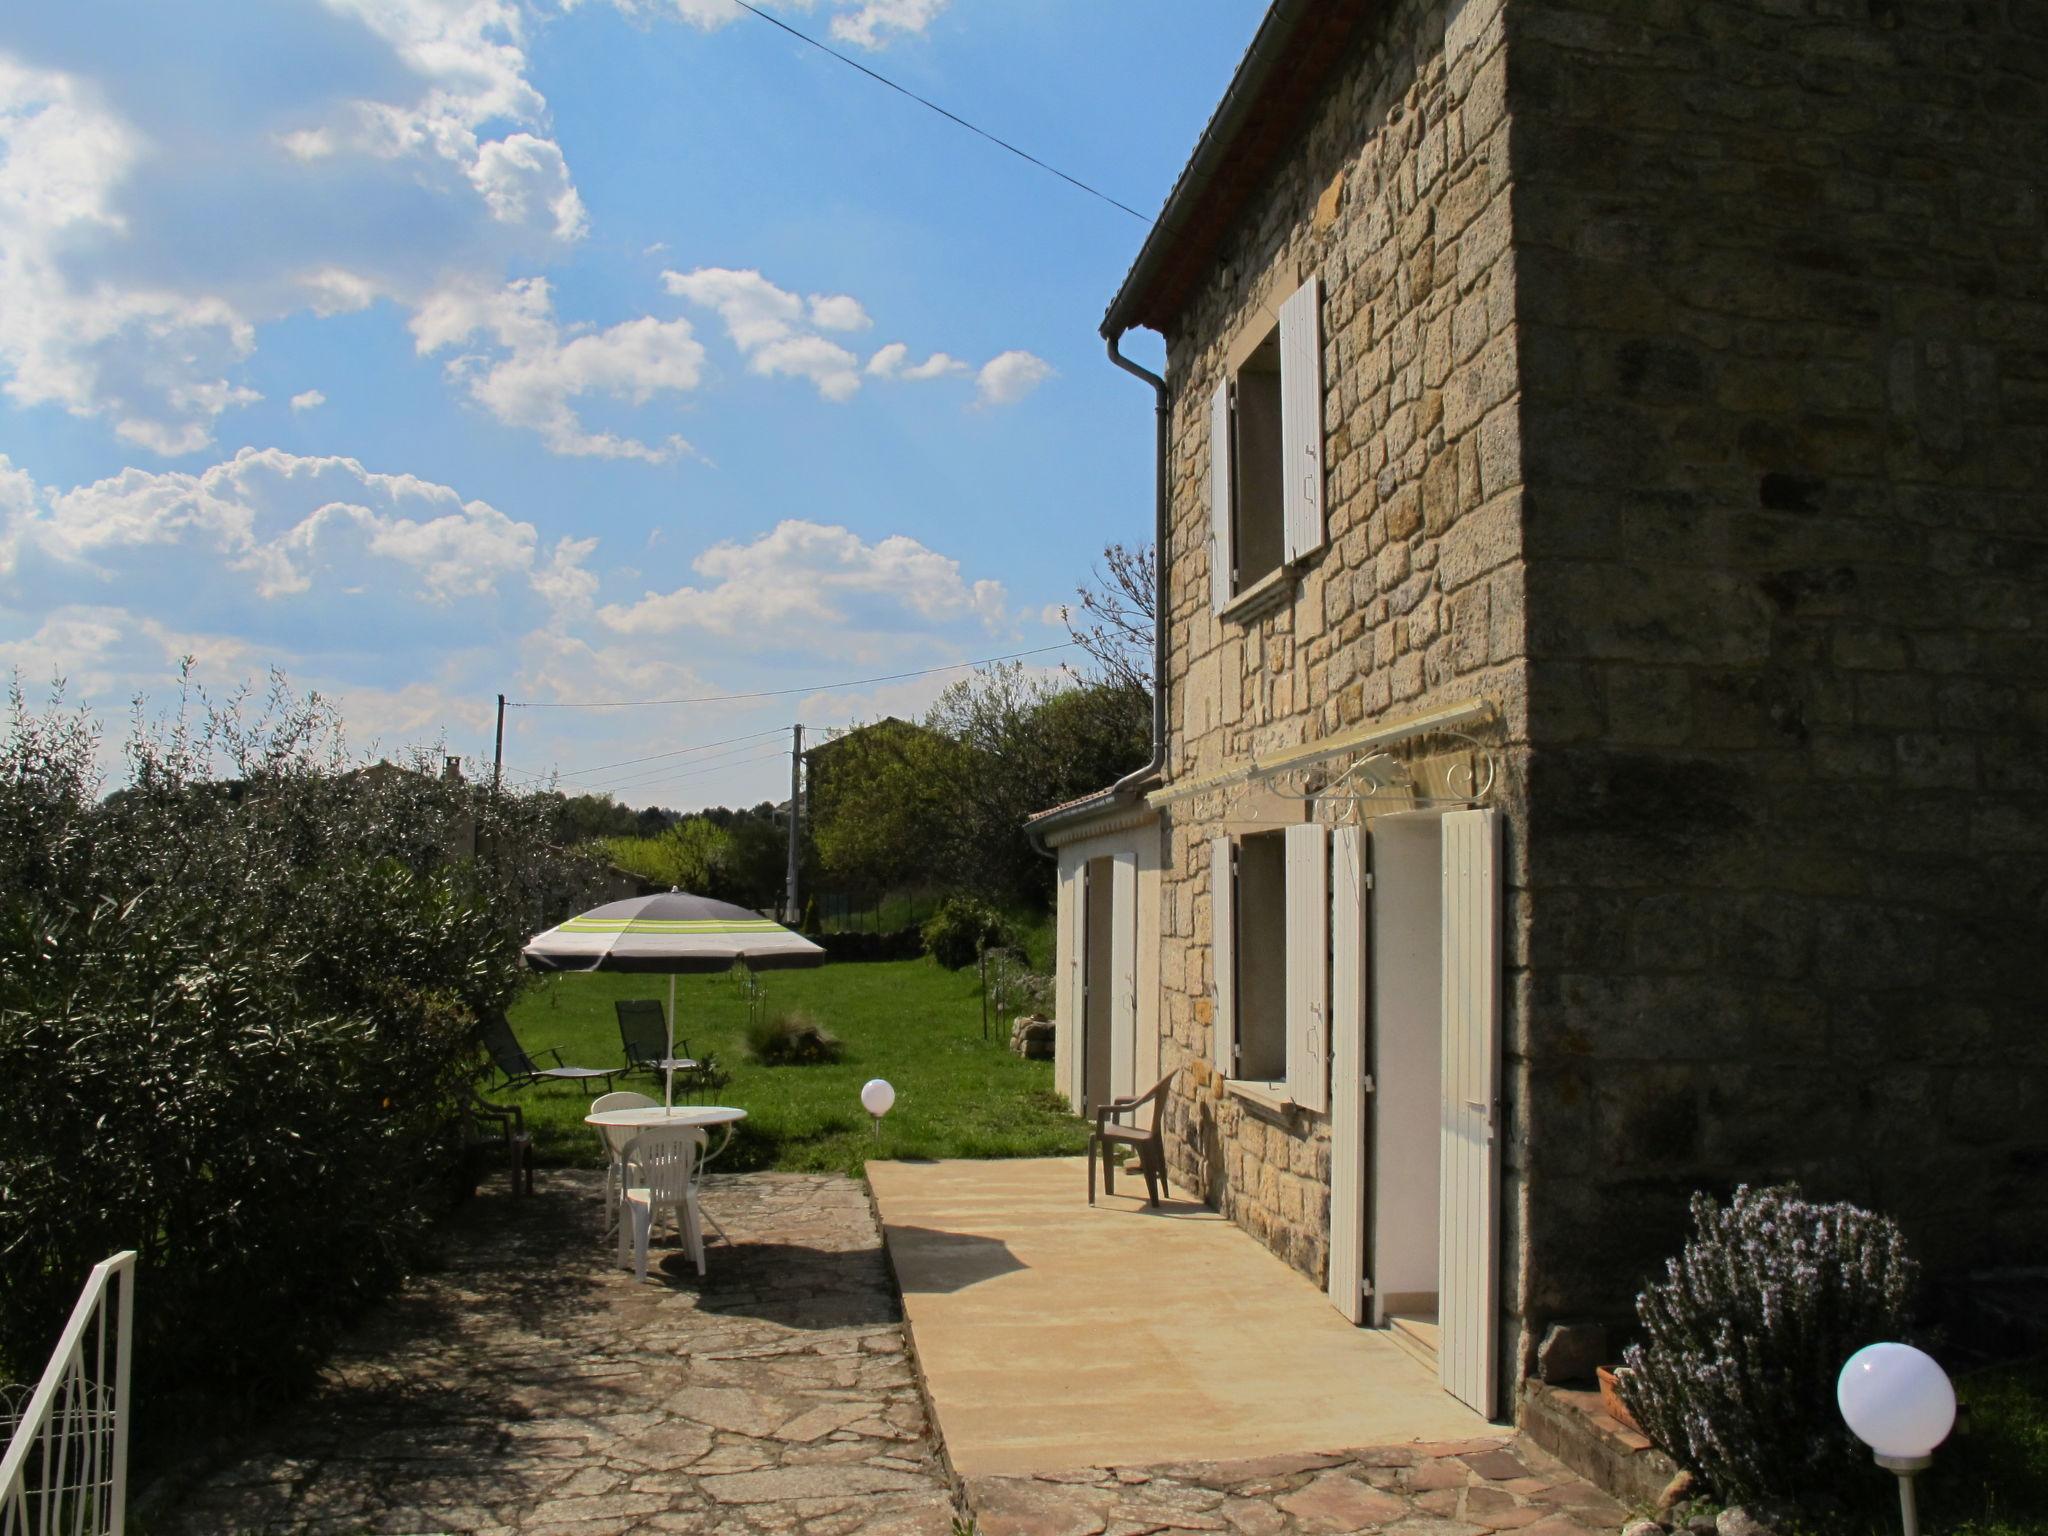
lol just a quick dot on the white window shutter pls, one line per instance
(1077, 996)
(1065, 1020)
(1123, 976)
(1222, 952)
(1301, 418)
(1308, 965)
(1468, 1250)
(1222, 544)
(1348, 1065)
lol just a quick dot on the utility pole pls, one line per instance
(792, 914)
(498, 757)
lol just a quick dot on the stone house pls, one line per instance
(1603, 526)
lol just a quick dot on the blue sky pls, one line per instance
(615, 349)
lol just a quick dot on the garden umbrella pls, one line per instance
(667, 934)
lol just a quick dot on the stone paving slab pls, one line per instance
(531, 1386)
(1442, 1488)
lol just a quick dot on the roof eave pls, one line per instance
(1192, 206)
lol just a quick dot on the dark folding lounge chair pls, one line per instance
(522, 1071)
(643, 1029)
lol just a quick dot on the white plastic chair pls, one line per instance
(662, 1165)
(613, 1139)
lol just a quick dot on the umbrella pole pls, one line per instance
(668, 1060)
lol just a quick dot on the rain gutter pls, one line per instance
(1129, 786)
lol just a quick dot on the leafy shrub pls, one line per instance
(1746, 1336)
(793, 1039)
(238, 1004)
(961, 929)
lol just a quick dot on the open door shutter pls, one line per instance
(1077, 995)
(1064, 1016)
(1222, 957)
(1468, 1262)
(1308, 965)
(1123, 971)
(1301, 419)
(1349, 1103)
(1222, 546)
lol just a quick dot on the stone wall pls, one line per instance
(1784, 348)
(1397, 199)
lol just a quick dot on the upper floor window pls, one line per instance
(1266, 450)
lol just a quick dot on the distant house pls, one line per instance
(1604, 552)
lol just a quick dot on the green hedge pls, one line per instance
(238, 1003)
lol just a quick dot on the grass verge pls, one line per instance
(908, 1021)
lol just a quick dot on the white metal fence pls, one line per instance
(65, 1472)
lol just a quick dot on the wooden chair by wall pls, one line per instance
(1145, 1140)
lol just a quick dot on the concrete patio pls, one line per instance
(527, 1386)
(1053, 1335)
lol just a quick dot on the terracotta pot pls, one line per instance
(1610, 1399)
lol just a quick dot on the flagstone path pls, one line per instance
(529, 1387)
(533, 1387)
(1462, 1488)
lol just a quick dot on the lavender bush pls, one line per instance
(1747, 1332)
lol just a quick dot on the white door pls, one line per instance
(1123, 971)
(1349, 1103)
(1468, 1255)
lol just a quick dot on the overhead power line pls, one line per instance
(951, 117)
(702, 746)
(782, 693)
(662, 777)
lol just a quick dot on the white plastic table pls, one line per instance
(702, 1115)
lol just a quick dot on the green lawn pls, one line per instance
(908, 1021)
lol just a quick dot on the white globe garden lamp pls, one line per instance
(877, 1097)
(1898, 1402)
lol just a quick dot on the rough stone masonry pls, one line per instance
(1686, 394)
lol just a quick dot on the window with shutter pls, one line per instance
(1266, 452)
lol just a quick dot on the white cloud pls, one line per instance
(307, 144)
(890, 363)
(282, 520)
(768, 325)
(533, 369)
(308, 400)
(838, 312)
(336, 291)
(1010, 376)
(866, 24)
(826, 364)
(470, 59)
(804, 579)
(522, 174)
(563, 582)
(146, 354)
